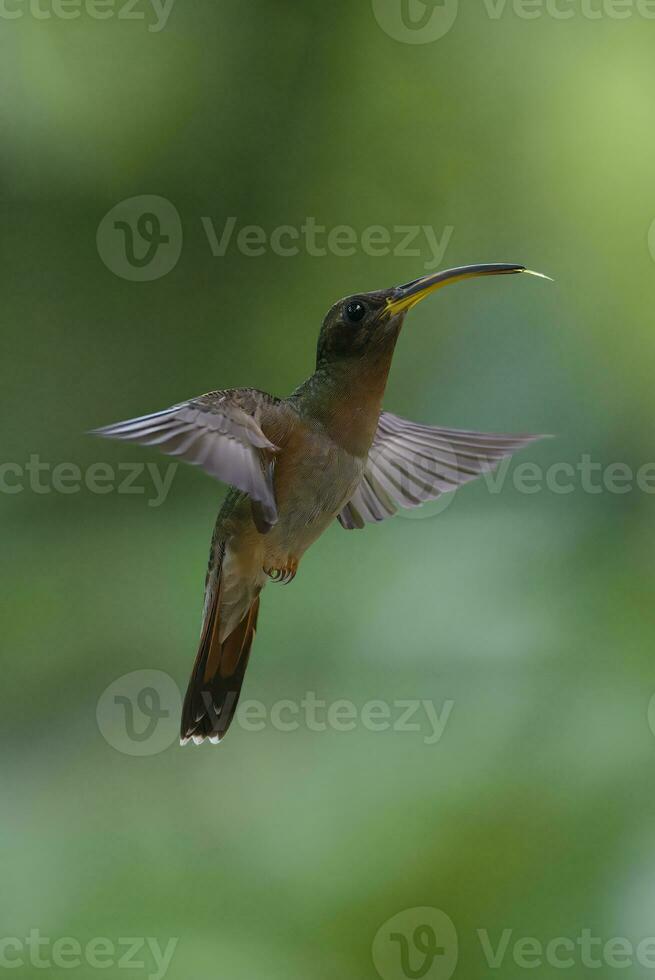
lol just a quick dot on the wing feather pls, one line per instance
(219, 432)
(410, 463)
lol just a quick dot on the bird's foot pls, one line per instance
(285, 573)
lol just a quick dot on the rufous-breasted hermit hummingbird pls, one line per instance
(327, 452)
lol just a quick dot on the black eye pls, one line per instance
(355, 311)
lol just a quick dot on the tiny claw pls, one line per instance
(283, 575)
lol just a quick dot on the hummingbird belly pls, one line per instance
(312, 485)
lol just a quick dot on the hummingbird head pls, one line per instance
(368, 323)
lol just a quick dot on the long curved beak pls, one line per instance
(403, 298)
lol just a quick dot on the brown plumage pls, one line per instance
(295, 465)
(218, 672)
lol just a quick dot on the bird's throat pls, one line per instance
(345, 397)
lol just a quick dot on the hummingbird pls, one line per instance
(295, 465)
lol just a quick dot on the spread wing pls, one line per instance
(409, 464)
(220, 432)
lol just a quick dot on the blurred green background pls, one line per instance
(281, 854)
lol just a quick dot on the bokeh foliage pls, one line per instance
(280, 854)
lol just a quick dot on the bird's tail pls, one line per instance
(215, 683)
